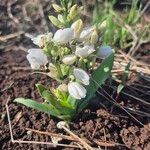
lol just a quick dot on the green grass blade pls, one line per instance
(49, 109)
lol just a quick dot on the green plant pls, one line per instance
(69, 58)
(114, 24)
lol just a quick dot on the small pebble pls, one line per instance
(3, 116)
(29, 132)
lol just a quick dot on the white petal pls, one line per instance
(69, 59)
(38, 39)
(34, 64)
(39, 55)
(76, 90)
(81, 75)
(36, 58)
(63, 35)
(84, 51)
(104, 51)
(85, 34)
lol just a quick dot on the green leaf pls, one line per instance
(126, 73)
(59, 102)
(46, 108)
(72, 101)
(40, 89)
(119, 88)
(48, 96)
(97, 79)
(55, 21)
(61, 95)
(64, 108)
(49, 109)
(132, 15)
(100, 75)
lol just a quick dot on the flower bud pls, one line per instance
(71, 77)
(60, 18)
(104, 51)
(54, 53)
(77, 26)
(63, 87)
(91, 64)
(81, 75)
(57, 7)
(84, 51)
(85, 60)
(76, 90)
(42, 39)
(63, 36)
(69, 59)
(72, 12)
(64, 51)
(94, 37)
(36, 58)
(55, 21)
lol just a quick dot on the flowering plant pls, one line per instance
(72, 58)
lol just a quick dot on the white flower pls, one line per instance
(104, 51)
(76, 90)
(84, 51)
(63, 35)
(69, 59)
(85, 34)
(41, 39)
(36, 58)
(81, 75)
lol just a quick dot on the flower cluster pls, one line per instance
(70, 49)
(79, 44)
(69, 57)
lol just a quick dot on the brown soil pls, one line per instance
(102, 120)
(95, 122)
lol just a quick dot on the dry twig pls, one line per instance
(44, 23)
(121, 61)
(112, 100)
(9, 4)
(106, 144)
(144, 10)
(70, 138)
(10, 36)
(85, 145)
